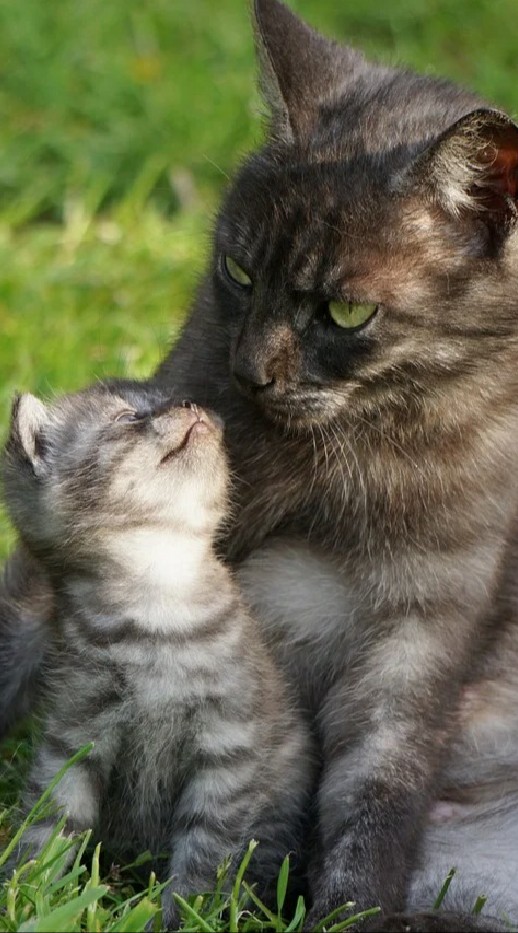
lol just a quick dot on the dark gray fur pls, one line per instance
(376, 488)
(197, 748)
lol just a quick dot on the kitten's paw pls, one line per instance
(8, 868)
(171, 916)
(171, 919)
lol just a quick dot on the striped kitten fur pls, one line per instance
(197, 748)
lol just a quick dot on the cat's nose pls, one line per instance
(265, 358)
(251, 377)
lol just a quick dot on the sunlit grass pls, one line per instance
(91, 298)
(70, 887)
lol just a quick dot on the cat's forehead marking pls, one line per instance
(322, 254)
(309, 225)
(331, 233)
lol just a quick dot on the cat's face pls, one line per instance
(336, 292)
(109, 458)
(360, 257)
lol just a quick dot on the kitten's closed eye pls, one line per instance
(126, 416)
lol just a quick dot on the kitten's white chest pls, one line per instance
(159, 573)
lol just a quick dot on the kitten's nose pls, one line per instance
(251, 377)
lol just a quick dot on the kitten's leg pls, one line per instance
(385, 733)
(78, 794)
(230, 801)
(211, 824)
(26, 604)
(282, 826)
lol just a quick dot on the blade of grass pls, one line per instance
(73, 875)
(273, 918)
(234, 897)
(192, 914)
(92, 921)
(137, 918)
(480, 903)
(62, 918)
(351, 921)
(282, 884)
(334, 913)
(444, 889)
(298, 917)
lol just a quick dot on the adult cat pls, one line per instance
(358, 331)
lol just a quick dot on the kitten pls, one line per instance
(358, 331)
(197, 748)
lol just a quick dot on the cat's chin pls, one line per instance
(301, 417)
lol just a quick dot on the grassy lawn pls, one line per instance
(121, 121)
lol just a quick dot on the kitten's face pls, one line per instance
(339, 294)
(111, 458)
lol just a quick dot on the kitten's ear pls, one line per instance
(473, 169)
(28, 418)
(300, 70)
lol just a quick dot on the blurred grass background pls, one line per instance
(121, 120)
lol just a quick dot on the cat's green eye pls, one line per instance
(236, 273)
(351, 314)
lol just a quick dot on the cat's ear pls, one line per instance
(28, 419)
(300, 70)
(472, 169)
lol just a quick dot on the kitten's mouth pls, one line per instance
(202, 425)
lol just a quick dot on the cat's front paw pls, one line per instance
(324, 907)
(332, 900)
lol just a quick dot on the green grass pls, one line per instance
(50, 894)
(120, 122)
(93, 296)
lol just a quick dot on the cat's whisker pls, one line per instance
(349, 446)
(387, 438)
(324, 448)
(342, 461)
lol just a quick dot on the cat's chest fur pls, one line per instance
(311, 610)
(306, 610)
